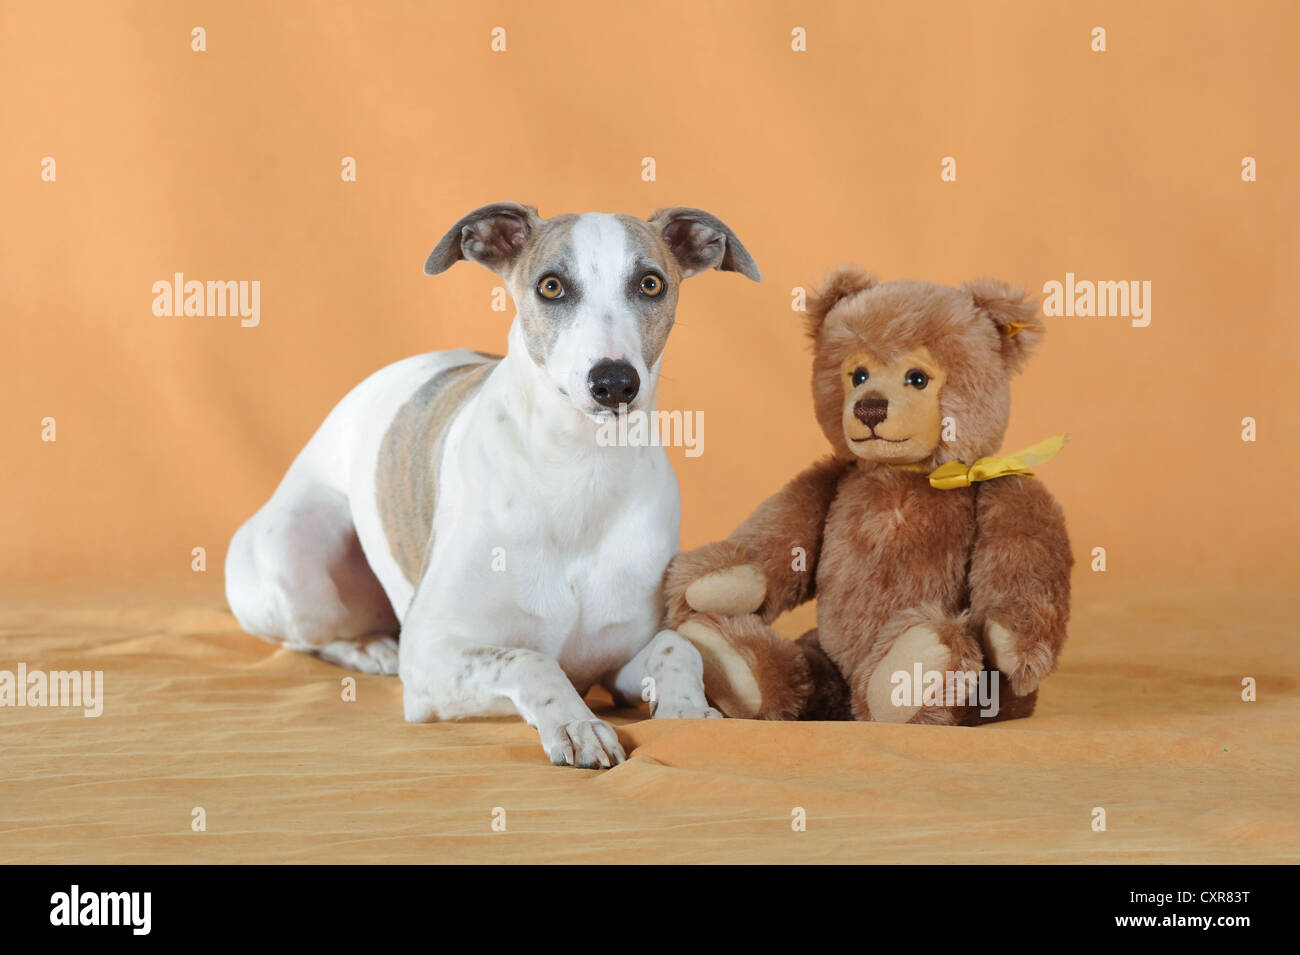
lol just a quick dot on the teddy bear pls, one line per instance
(927, 553)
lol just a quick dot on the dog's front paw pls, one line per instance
(684, 710)
(585, 743)
(733, 591)
(1024, 666)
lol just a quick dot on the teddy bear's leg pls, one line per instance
(896, 682)
(830, 698)
(750, 670)
(1009, 706)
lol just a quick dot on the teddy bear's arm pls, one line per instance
(770, 559)
(1020, 578)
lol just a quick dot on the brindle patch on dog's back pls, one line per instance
(406, 475)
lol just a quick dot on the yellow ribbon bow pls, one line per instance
(954, 474)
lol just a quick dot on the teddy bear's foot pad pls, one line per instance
(728, 680)
(918, 644)
(736, 590)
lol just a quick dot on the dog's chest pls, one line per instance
(585, 595)
(578, 586)
(570, 567)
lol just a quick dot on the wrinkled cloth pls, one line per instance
(1144, 720)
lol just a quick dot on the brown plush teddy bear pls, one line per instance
(926, 554)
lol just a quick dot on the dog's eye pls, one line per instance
(550, 287)
(917, 379)
(858, 376)
(651, 285)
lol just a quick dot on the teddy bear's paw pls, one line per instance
(1023, 666)
(735, 590)
(918, 644)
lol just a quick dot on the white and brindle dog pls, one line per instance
(465, 500)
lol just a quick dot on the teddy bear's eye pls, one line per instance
(917, 378)
(858, 375)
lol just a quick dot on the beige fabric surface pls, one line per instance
(1144, 719)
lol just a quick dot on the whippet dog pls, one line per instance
(464, 499)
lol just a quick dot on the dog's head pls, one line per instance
(595, 293)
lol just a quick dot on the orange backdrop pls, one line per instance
(225, 164)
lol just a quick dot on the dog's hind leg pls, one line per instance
(296, 575)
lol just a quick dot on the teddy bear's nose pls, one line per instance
(871, 411)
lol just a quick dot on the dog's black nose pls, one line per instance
(871, 411)
(613, 383)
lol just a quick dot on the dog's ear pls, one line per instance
(839, 284)
(1013, 313)
(699, 241)
(491, 236)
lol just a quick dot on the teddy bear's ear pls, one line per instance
(1014, 314)
(839, 284)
